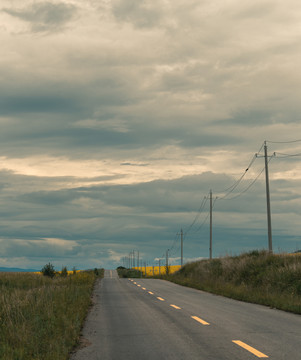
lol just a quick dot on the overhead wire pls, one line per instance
(204, 222)
(283, 142)
(234, 186)
(230, 189)
(174, 242)
(249, 186)
(287, 155)
(200, 210)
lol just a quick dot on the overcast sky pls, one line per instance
(118, 116)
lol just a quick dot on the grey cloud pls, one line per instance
(132, 164)
(141, 13)
(45, 16)
(134, 214)
(37, 248)
(196, 78)
(36, 103)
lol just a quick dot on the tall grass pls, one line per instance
(40, 317)
(258, 277)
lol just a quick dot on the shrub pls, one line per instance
(64, 272)
(48, 270)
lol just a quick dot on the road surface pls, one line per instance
(148, 319)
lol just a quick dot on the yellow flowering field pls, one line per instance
(154, 270)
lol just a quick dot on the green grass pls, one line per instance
(258, 277)
(40, 317)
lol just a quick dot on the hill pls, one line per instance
(7, 269)
(258, 277)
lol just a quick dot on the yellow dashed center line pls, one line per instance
(250, 349)
(203, 322)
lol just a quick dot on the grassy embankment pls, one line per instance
(258, 277)
(40, 317)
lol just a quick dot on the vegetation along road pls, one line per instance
(155, 319)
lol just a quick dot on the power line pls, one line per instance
(249, 186)
(287, 155)
(245, 190)
(283, 142)
(174, 242)
(234, 186)
(200, 210)
(203, 223)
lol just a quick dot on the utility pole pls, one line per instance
(181, 247)
(210, 245)
(159, 266)
(167, 270)
(138, 262)
(268, 198)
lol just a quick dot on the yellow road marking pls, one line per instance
(151, 293)
(143, 289)
(139, 285)
(135, 283)
(250, 348)
(159, 298)
(175, 306)
(203, 322)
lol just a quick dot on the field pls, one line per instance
(40, 317)
(155, 270)
(258, 277)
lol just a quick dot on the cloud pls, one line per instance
(142, 14)
(45, 16)
(118, 117)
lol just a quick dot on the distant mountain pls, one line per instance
(5, 269)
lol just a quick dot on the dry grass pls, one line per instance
(258, 277)
(41, 318)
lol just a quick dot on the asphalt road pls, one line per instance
(147, 319)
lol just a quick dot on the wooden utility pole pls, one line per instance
(167, 269)
(210, 245)
(181, 247)
(268, 198)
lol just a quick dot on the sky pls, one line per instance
(117, 117)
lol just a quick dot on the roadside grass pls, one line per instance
(40, 317)
(257, 277)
